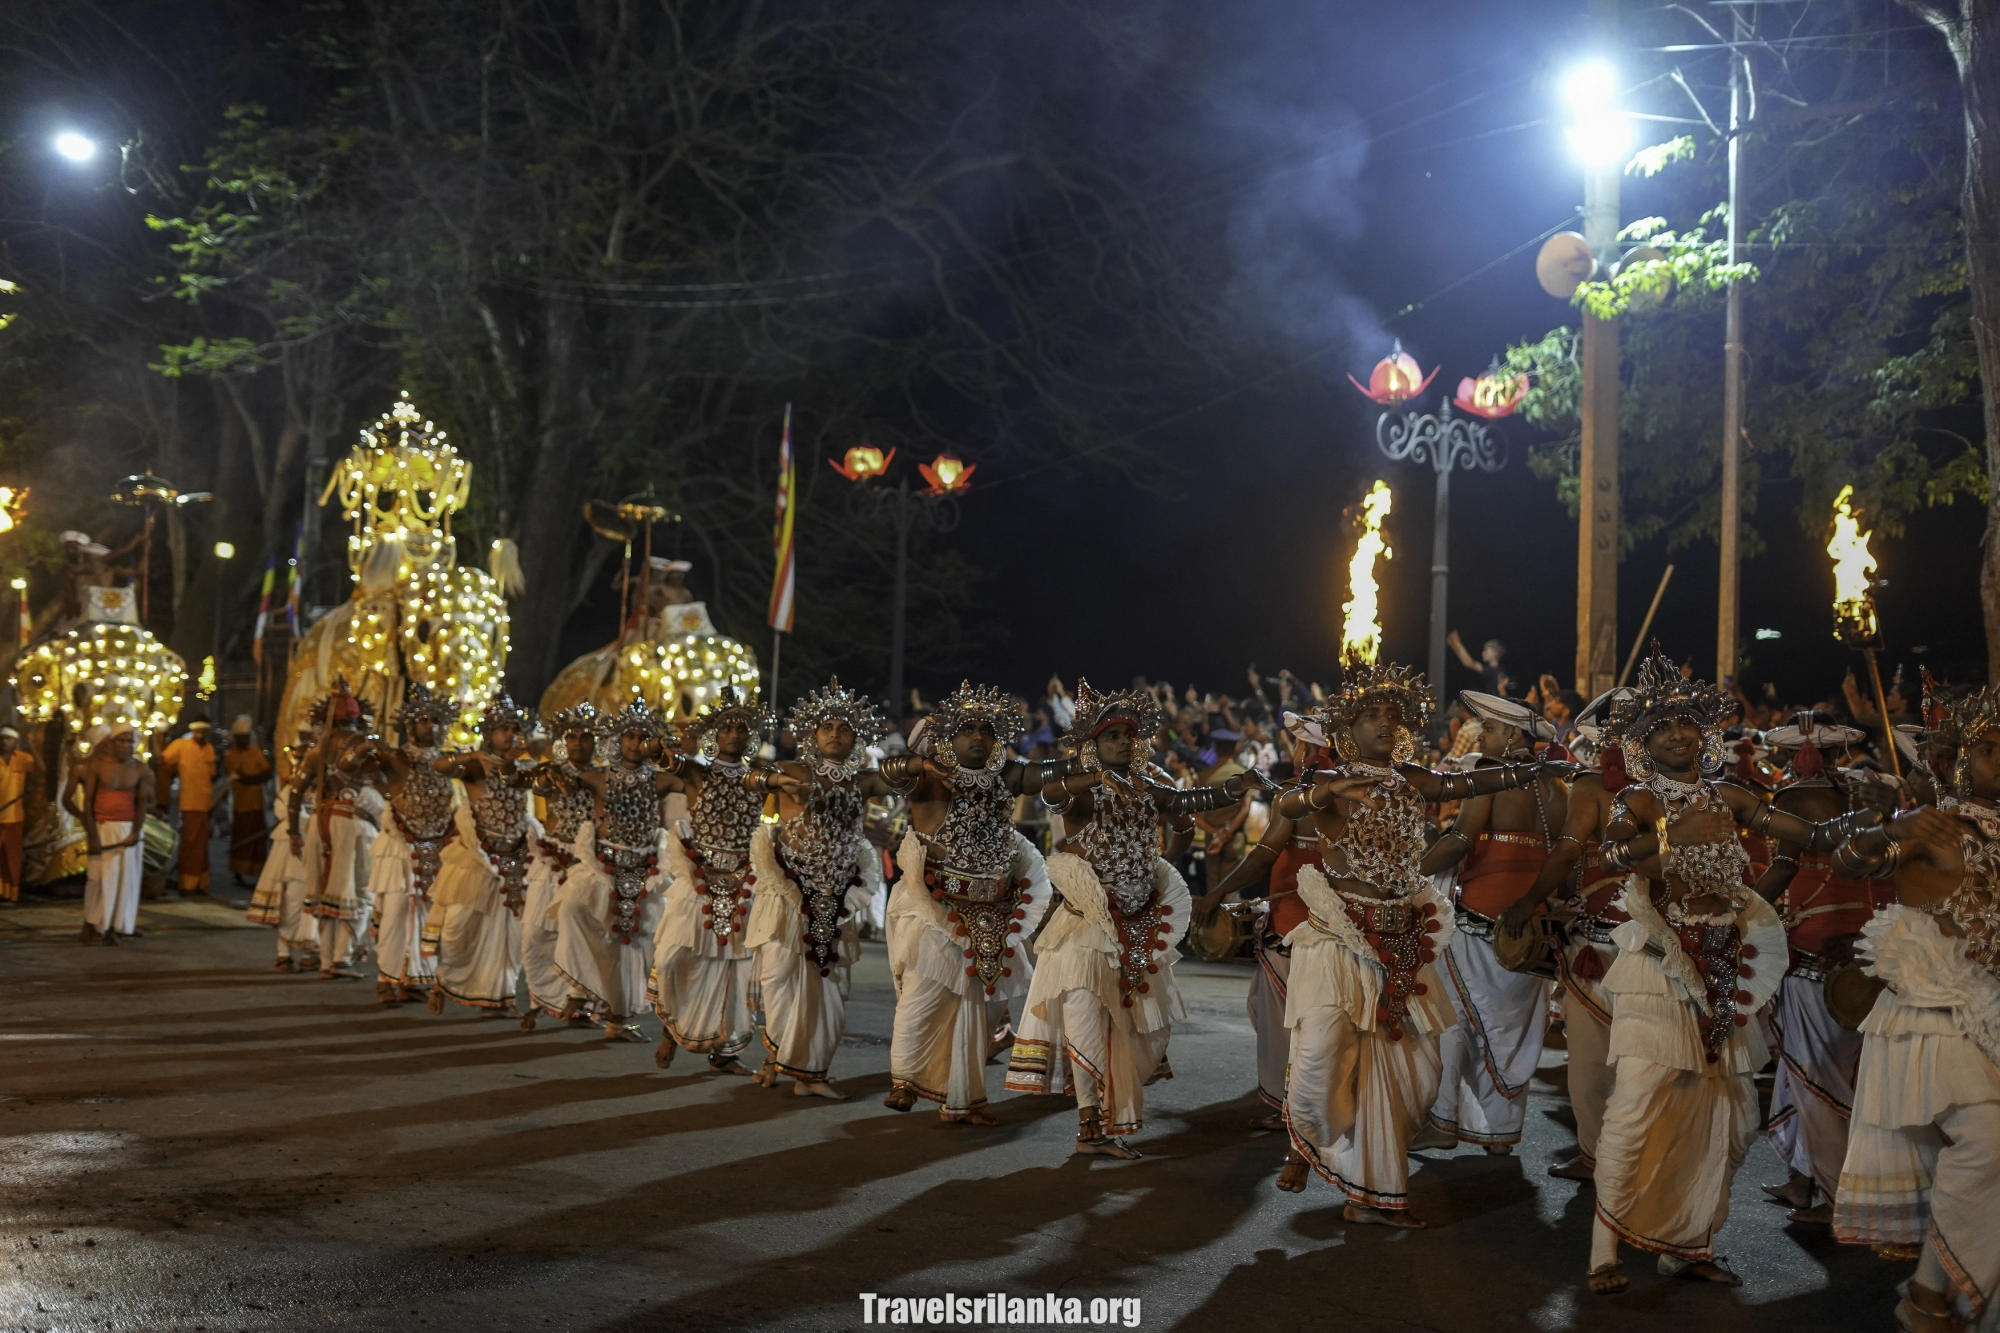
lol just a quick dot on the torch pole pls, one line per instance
(1882, 708)
(1645, 625)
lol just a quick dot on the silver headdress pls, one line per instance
(835, 703)
(971, 703)
(581, 717)
(1370, 683)
(1095, 712)
(727, 704)
(1658, 695)
(503, 712)
(634, 717)
(420, 704)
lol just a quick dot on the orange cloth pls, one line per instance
(1499, 869)
(14, 787)
(193, 762)
(112, 806)
(1288, 911)
(1759, 851)
(194, 850)
(10, 861)
(248, 768)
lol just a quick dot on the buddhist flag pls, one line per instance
(270, 590)
(294, 609)
(781, 532)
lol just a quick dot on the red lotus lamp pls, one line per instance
(862, 462)
(948, 475)
(1396, 378)
(1492, 395)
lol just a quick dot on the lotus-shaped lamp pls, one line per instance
(862, 462)
(947, 474)
(1492, 395)
(1396, 378)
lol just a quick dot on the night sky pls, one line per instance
(1248, 563)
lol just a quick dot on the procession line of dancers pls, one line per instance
(1692, 924)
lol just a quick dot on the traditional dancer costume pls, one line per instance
(1812, 1097)
(970, 890)
(568, 805)
(608, 909)
(1923, 1153)
(813, 871)
(280, 896)
(701, 967)
(1492, 1052)
(112, 877)
(1101, 1005)
(1686, 983)
(335, 849)
(474, 930)
(407, 855)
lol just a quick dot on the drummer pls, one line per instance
(1818, 1054)
(1283, 848)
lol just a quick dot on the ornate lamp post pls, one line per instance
(1447, 443)
(936, 506)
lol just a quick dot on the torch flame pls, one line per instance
(1853, 571)
(1361, 634)
(11, 503)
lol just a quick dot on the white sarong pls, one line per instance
(1491, 1053)
(1356, 1095)
(400, 913)
(944, 1017)
(700, 986)
(591, 961)
(1080, 1028)
(475, 939)
(1266, 1006)
(112, 881)
(1813, 1094)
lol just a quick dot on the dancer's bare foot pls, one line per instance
(729, 1064)
(824, 1088)
(1608, 1281)
(1925, 1311)
(1497, 1149)
(110, 937)
(436, 1003)
(1430, 1136)
(339, 972)
(386, 994)
(1106, 1146)
(1576, 1168)
(663, 1054)
(1381, 1217)
(284, 964)
(528, 1021)
(1293, 1175)
(900, 1099)
(1794, 1193)
(1270, 1123)
(1819, 1215)
(977, 1115)
(613, 1031)
(89, 936)
(766, 1075)
(1699, 1270)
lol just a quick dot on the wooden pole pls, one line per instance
(1632, 658)
(1882, 706)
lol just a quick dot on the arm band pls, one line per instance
(1199, 800)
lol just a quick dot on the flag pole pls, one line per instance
(783, 582)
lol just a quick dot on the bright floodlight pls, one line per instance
(75, 146)
(1599, 133)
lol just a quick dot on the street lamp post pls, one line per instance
(1448, 443)
(904, 507)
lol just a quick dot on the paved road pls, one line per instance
(191, 1142)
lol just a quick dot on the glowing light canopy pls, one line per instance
(102, 673)
(1361, 632)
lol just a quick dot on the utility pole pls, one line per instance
(1727, 619)
(1597, 454)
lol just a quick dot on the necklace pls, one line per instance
(1668, 789)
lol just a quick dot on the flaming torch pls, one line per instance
(1361, 634)
(1854, 604)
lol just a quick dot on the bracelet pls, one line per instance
(1760, 823)
(1454, 833)
(1660, 835)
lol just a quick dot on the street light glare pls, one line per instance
(75, 146)
(1598, 134)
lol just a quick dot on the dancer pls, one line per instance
(17, 766)
(701, 970)
(1103, 997)
(111, 796)
(969, 881)
(191, 762)
(474, 931)
(1367, 1006)
(568, 805)
(279, 899)
(802, 925)
(1701, 954)
(610, 909)
(1923, 1150)
(249, 768)
(406, 857)
(331, 774)
(1813, 1094)
(1283, 849)
(1588, 912)
(1499, 845)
